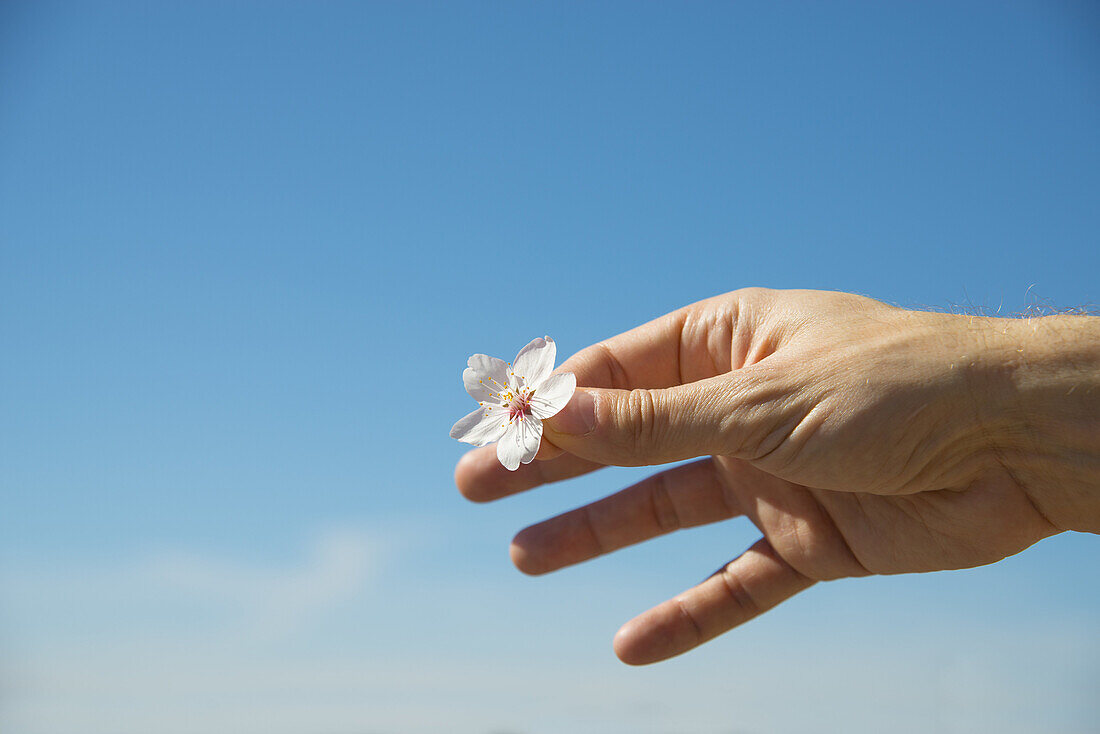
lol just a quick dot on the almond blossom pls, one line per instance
(513, 400)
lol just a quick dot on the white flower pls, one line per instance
(513, 400)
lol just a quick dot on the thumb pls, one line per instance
(642, 427)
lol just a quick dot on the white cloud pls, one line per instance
(188, 594)
(272, 600)
(188, 641)
(772, 683)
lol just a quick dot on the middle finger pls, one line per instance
(681, 497)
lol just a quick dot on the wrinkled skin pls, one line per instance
(858, 437)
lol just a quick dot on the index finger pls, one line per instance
(646, 356)
(702, 340)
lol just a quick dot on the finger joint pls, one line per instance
(664, 508)
(739, 594)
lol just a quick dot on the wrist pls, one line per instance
(1038, 388)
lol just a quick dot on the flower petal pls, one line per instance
(481, 427)
(485, 370)
(552, 395)
(535, 362)
(520, 443)
(481, 387)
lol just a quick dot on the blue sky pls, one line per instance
(245, 250)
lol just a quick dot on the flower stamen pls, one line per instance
(519, 406)
(510, 412)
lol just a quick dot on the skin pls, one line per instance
(858, 437)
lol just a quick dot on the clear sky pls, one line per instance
(246, 248)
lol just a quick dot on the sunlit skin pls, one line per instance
(858, 437)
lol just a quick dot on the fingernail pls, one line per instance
(578, 417)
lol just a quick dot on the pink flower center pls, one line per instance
(520, 406)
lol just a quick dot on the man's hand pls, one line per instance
(858, 437)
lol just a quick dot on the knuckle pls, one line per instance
(752, 293)
(747, 607)
(599, 365)
(755, 413)
(640, 411)
(606, 364)
(735, 427)
(690, 622)
(593, 526)
(664, 508)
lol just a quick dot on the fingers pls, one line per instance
(481, 477)
(704, 339)
(750, 585)
(646, 356)
(547, 451)
(687, 345)
(682, 497)
(720, 415)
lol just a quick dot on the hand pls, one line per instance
(858, 437)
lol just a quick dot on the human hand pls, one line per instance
(858, 437)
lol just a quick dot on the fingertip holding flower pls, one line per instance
(513, 401)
